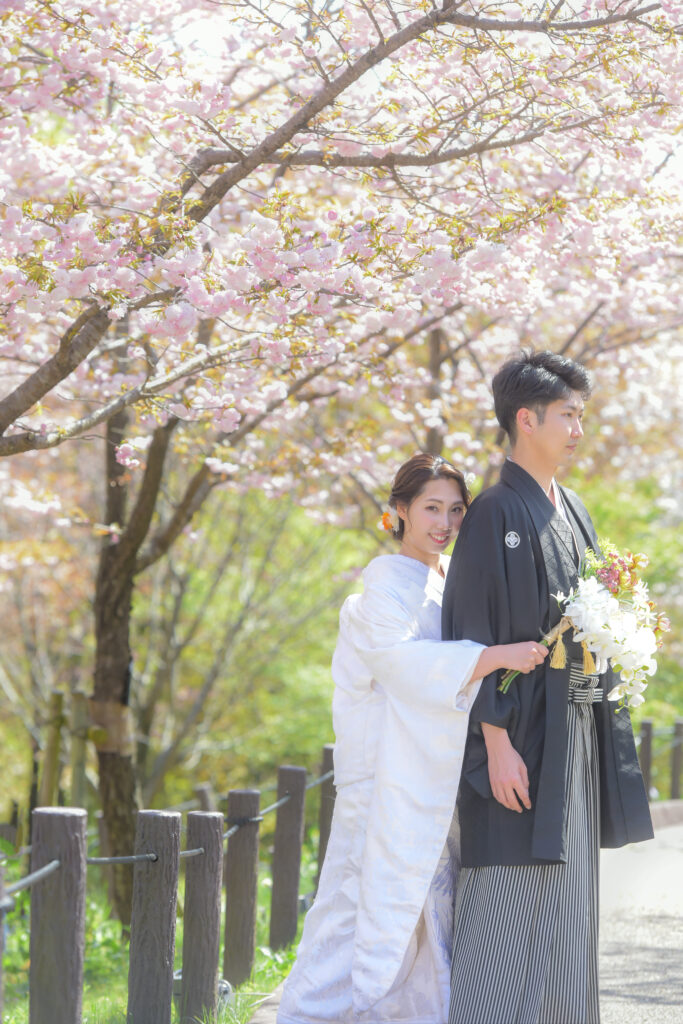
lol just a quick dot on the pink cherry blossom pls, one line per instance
(526, 200)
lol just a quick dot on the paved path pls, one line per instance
(641, 931)
(641, 934)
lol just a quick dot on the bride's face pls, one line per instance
(432, 520)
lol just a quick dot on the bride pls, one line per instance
(377, 942)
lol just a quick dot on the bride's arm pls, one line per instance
(522, 657)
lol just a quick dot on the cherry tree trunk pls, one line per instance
(118, 794)
(109, 707)
(114, 591)
(113, 731)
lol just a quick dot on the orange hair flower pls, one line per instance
(389, 520)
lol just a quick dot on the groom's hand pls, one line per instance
(507, 771)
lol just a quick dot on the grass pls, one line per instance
(105, 986)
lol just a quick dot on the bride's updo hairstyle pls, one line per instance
(413, 477)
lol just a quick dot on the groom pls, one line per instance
(550, 770)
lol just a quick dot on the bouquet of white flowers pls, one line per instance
(613, 619)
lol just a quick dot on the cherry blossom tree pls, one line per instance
(327, 173)
(226, 228)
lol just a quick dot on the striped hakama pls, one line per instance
(526, 936)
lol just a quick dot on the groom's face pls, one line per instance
(557, 430)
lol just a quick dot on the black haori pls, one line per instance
(526, 936)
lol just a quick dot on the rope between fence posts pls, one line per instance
(278, 803)
(237, 823)
(323, 778)
(132, 859)
(192, 853)
(36, 876)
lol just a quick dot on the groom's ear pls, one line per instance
(526, 420)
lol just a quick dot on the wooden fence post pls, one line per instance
(327, 798)
(80, 720)
(202, 933)
(8, 832)
(289, 835)
(645, 752)
(2, 930)
(58, 916)
(241, 886)
(677, 760)
(153, 919)
(47, 793)
(206, 796)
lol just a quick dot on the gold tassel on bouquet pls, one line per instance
(589, 667)
(558, 657)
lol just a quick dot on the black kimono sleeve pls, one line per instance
(492, 594)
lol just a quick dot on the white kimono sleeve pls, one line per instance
(414, 694)
(431, 674)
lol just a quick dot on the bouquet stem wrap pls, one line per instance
(558, 657)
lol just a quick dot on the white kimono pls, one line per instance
(377, 943)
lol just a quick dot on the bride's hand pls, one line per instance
(524, 657)
(519, 657)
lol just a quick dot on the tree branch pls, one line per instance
(320, 158)
(83, 336)
(141, 515)
(75, 345)
(30, 440)
(197, 491)
(581, 327)
(265, 151)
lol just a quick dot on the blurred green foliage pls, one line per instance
(637, 517)
(251, 598)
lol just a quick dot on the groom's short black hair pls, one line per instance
(532, 380)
